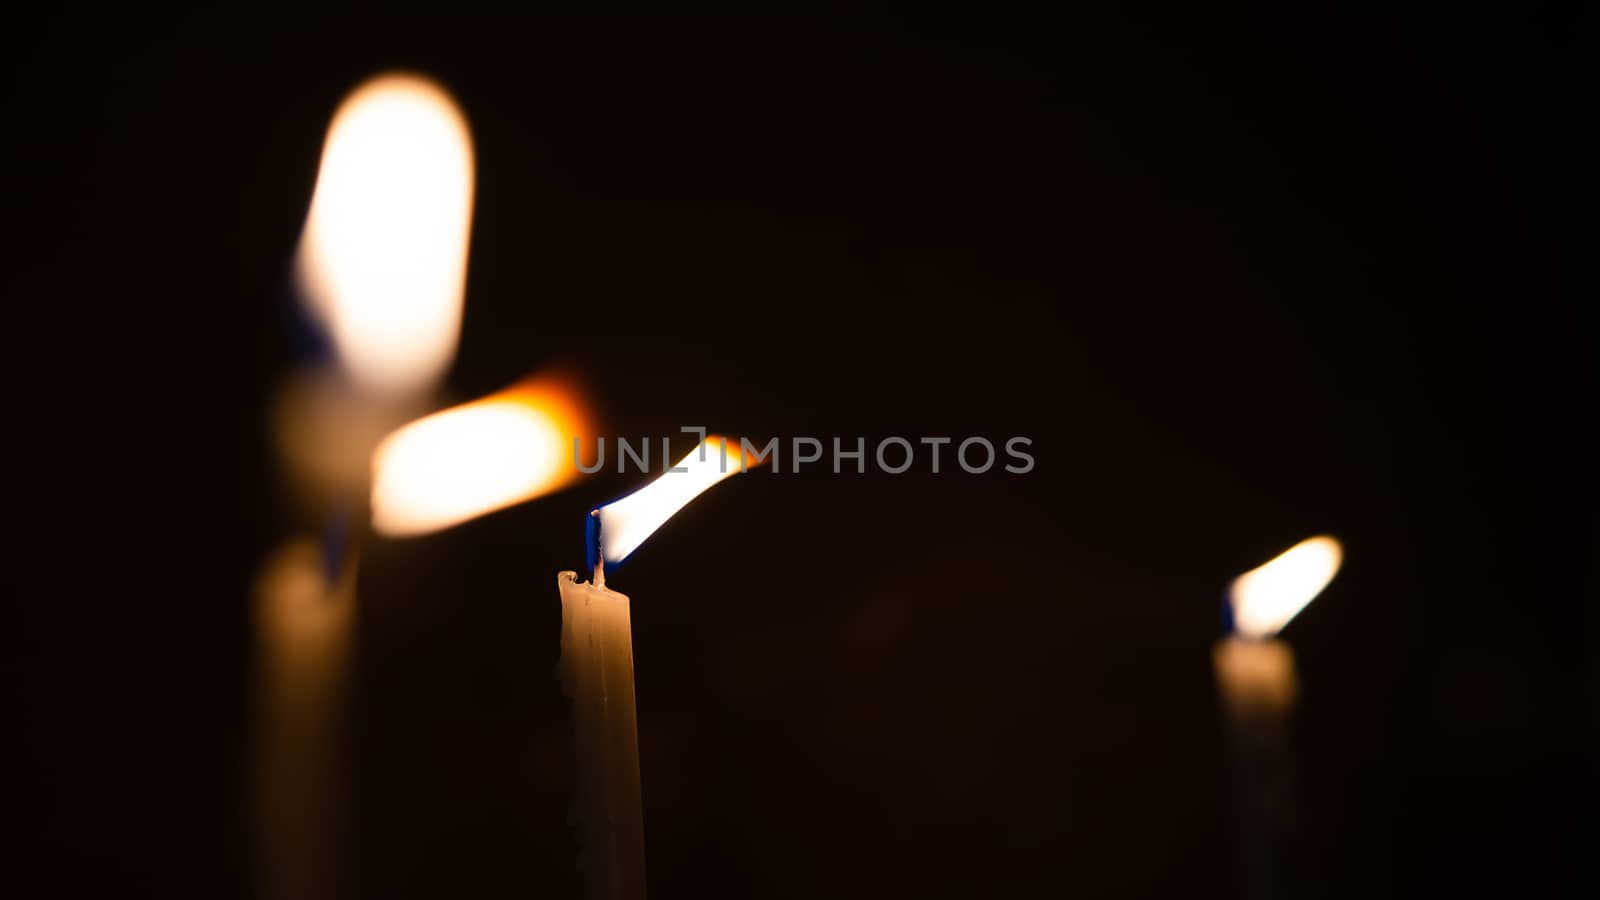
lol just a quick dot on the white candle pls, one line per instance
(596, 670)
(1257, 681)
(597, 675)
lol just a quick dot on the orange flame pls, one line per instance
(479, 457)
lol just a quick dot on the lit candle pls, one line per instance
(1256, 676)
(597, 670)
(381, 268)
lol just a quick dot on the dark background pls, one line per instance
(1243, 277)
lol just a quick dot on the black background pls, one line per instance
(1243, 277)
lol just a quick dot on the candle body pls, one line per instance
(303, 624)
(596, 672)
(1257, 681)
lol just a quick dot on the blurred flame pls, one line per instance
(458, 464)
(1266, 598)
(626, 523)
(383, 258)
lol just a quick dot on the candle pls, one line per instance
(597, 675)
(381, 268)
(302, 617)
(1256, 676)
(596, 670)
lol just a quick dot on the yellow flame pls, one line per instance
(1265, 599)
(626, 523)
(476, 458)
(383, 258)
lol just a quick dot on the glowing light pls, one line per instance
(626, 523)
(383, 258)
(1266, 598)
(473, 459)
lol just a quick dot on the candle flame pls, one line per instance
(626, 523)
(1264, 599)
(473, 459)
(383, 258)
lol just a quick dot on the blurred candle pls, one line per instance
(381, 268)
(1256, 676)
(596, 670)
(302, 618)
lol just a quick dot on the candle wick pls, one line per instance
(599, 552)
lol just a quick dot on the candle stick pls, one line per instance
(597, 675)
(596, 671)
(303, 612)
(1256, 676)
